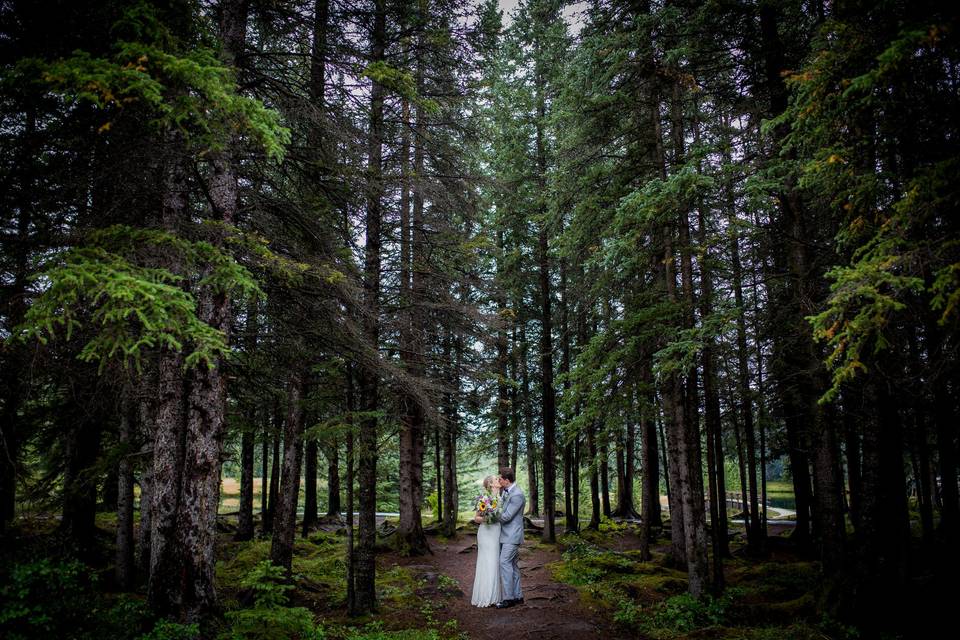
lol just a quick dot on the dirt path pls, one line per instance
(550, 610)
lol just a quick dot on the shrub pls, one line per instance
(271, 618)
(686, 613)
(47, 598)
(627, 613)
(50, 598)
(166, 630)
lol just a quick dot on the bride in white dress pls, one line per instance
(486, 581)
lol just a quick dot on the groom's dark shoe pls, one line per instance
(506, 604)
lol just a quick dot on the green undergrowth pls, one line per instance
(318, 564)
(62, 598)
(318, 595)
(762, 599)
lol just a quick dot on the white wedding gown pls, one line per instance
(486, 582)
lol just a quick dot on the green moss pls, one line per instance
(239, 559)
(651, 585)
(397, 587)
(776, 580)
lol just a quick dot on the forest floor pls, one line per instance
(588, 585)
(551, 610)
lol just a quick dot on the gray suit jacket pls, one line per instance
(511, 516)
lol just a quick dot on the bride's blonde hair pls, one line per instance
(488, 482)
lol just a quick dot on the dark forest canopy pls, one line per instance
(415, 237)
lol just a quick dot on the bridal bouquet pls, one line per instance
(489, 507)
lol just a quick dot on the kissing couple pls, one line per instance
(499, 514)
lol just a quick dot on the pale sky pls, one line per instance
(569, 12)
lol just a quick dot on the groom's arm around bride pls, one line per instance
(511, 537)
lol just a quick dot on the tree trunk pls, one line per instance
(264, 476)
(206, 405)
(741, 465)
(285, 525)
(650, 521)
(351, 559)
(163, 590)
(662, 446)
(450, 431)
(828, 493)
(245, 513)
(15, 355)
(503, 402)
(571, 523)
(755, 533)
(851, 409)
(595, 510)
(310, 509)
(410, 537)
(365, 570)
(125, 542)
(81, 449)
(548, 394)
(333, 478)
(146, 410)
(438, 472)
(270, 516)
(884, 533)
(533, 509)
(247, 442)
(712, 422)
(605, 476)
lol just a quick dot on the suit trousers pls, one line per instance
(510, 571)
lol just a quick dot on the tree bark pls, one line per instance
(715, 468)
(350, 551)
(650, 514)
(284, 527)
(247, 442)
(264, 476)
(534, 507)
(206, 405)
(410, 537)
(270, 515)
(81, 449)
(549, 412)
(333, 478)
(571, 519)
(146, 411)
(124, 569)
(595, 510)
(450, 432)
(884, 533)
(163, 589)
(310, 508)
(365, 570)
(755, 533)
(503, 402)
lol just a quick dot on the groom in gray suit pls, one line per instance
(511, 537)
